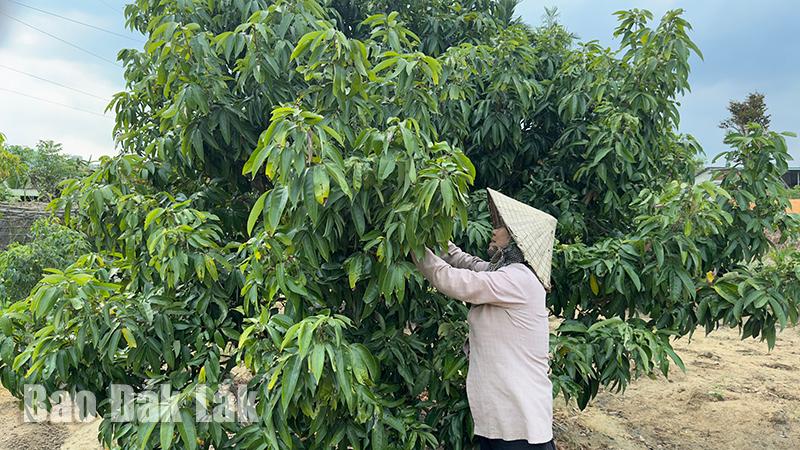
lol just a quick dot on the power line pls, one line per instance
(77, 21)
(62, 40)
(54, 82)
(54, 103)
(111, 7)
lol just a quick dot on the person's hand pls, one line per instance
(418, 261)
(446, 251)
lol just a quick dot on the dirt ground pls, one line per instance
(17, 435)
(735, 395)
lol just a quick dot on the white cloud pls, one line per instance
(25, 120)
(26, 37)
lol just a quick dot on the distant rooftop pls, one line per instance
(24, 192)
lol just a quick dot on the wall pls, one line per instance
(16, 220)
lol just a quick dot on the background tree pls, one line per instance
(752, 110)
(10, 166)
(283, 159)
(51, 245)
(43, 167)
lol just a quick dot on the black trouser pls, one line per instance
(499, 444)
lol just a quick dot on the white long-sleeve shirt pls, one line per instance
(510, 394)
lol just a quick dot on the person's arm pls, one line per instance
(503, 287)
(463, 260)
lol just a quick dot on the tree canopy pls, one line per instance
(752, 110)
(281, 161)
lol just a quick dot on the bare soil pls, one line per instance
(15, 434)
(735, 395)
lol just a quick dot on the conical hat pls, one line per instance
(533, 231)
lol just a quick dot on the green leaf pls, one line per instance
(145, 431)
(354, 268)
(409, 141)
(633, 276)
(778, 311)
(604, 323)
(368, 360)
(258, 207)
(343, 380)
(675, 357)
(289, 382)
(46, 302)
(303, 44)
(113, 344)
(151, 216)
(187, 430)
(447, 195)
(278, 198)
(166, 433)
(336, 172)
(378, 436)
(659, 250)
(5, 325)
(317, 362)
(290, 335)
(601, 154)
(386, 165)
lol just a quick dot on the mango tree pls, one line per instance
(282, 160)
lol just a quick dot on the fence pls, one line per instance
(16, 220)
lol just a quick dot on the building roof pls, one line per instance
(24, 192)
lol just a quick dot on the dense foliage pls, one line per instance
(51, 245)
(283, 159)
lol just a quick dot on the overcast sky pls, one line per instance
(747, 46)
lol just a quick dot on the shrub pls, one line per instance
(52, 245)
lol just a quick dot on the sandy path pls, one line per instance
(735, 395)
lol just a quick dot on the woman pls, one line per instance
(508, 388)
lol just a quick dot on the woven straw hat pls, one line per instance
(533, 231)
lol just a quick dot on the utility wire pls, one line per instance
(77, 21)
(54, 103)
(109, 6)
(62, 40)
(53, 82)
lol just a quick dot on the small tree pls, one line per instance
(752, 110)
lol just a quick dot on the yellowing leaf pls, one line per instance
(593, 284)
(126, 333)
(322, 185)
